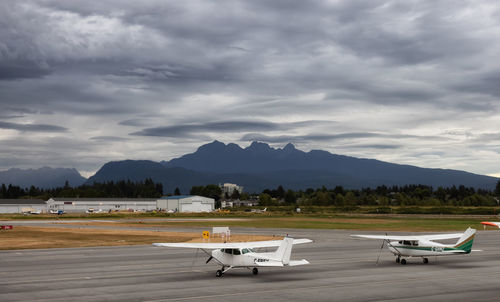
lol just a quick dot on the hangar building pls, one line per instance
(186, 203)
(101, 204)
(22, 205)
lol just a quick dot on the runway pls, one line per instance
(342, 269)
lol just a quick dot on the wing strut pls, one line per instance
(380, 251)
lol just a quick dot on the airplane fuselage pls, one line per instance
(417, 249)
(240, 257)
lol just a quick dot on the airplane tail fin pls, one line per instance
(285, 250)
(465, 242)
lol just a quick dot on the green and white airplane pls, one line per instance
(424, 246)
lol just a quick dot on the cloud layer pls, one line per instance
(413, 82)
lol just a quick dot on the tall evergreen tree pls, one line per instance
(177, 191)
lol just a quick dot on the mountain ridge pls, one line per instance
(260, 166)
(44, 177)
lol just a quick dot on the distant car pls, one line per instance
(58, 212)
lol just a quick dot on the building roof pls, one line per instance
(106, 199)
(177, 196)
(22, 201)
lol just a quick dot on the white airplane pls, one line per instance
(258, 210)
(424, 246)
(242, 255)
(495, 224)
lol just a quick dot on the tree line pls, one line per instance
(120, 189)
(408, 195)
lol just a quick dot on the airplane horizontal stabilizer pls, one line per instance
(298, 262)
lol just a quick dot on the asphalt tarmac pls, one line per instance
(342, 269)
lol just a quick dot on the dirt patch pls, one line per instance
(23, 237)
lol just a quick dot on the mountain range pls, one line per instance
(42, 178)
(260, 166)
(256, 167)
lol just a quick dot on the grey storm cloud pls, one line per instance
(32, 127)
(185, 130)
(189, 129)
(398, 77)
(333, 137)
(109, 139)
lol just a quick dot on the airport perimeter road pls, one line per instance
(342, 269)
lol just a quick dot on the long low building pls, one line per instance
(101, 204)
(81, 205)
(186, 203)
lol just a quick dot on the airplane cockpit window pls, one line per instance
(414, 243)
(222, 250)
(228, 251)
(236, 252)
(244, 251)
(406, 242)
(400, 242)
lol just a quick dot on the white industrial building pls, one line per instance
(101, 204)
(186, 203)
(81, 205)
(23, 206)
(228, 188)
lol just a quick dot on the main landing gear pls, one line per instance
(220, 272)
(403, 261)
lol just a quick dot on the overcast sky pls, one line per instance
(409, 82)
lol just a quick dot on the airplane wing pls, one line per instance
(231, 245)
(495, 224)
(412, 237)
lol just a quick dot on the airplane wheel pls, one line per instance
(398, 260)
(218, 273)
(403, 261)
(255, 271)
(426, 260)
